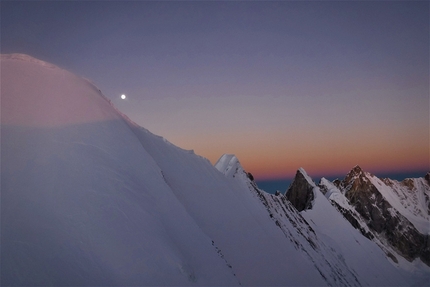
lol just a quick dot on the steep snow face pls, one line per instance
(94, 199)
(83, 203)
(240, 226)
(341, 203)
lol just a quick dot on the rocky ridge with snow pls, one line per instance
(336, 218)
(90, 198)
(385, 207)
(393, 214)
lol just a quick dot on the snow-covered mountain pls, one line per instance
(90, 198)
(396, 213)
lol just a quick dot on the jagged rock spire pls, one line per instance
(300, 193)
(355, 171)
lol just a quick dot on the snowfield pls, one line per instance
(90, 198)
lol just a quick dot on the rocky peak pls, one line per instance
(357, 170)
(300, 193)
(359, 190)
(427, 178)
(356, 180)
(380, 217)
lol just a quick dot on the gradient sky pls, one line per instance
(319, 85)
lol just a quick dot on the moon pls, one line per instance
(123, 96)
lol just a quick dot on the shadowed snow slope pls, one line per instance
(90, 198)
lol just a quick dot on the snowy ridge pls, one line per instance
(90, 198)
(27, 58)
(86, 204)
(51, 97)
(93, 199)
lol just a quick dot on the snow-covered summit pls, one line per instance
(27, 58)
(356, 169)
(229, 165)
(38, 94)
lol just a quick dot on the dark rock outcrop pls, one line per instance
(300, 193)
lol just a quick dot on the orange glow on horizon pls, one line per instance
(279, 158)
